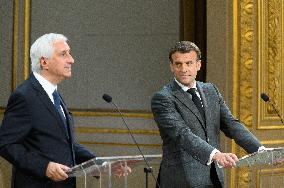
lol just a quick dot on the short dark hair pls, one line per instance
(184, 47)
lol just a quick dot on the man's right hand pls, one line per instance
(56, 171)
(226, 160)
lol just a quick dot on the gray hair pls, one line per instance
(43, 47)
(184, 47)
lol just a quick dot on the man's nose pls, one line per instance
(71, 59)
(183, 68)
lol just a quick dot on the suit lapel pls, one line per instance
(184, 98)
(68, 118)
(70, 125)
(46, 101)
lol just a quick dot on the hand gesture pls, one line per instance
(118, 168)
(226, 160)
(56, 171)
(122, 171)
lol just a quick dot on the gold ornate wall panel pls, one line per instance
(258, 68)
(270, 60)
(246, 62)
(21, 25)
(270, 177)
(244, 68)
(26, 69)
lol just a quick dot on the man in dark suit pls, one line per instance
(190, 116)
(37, 132)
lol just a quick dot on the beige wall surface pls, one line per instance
(219, 56)
(219, 46)
(6, 37)
(119, 47)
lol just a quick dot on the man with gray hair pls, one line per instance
(37, 132)
(190, 116)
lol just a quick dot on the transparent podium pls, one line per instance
(265, 168)
(102, 168)
(264, 157)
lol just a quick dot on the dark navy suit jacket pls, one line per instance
(188, 140)
(33, 134)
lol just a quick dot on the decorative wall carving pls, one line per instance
(270, 61)
(258, 54)
(246, 66)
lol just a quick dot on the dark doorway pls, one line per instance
(194, 28)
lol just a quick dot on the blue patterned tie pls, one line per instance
(57, 102)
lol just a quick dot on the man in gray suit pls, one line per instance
(190, 116)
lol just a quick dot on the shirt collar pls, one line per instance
(185, 88)
(47, 86)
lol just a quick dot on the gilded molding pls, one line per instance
(273, 52)
(2, 110)
(16, 40)
(121, 144)
(26, 38)
(272, 142)
(106, 113)
(246, 65)
(99, 113)
(246, 61)
(257, 49)
(270, 60)
(125, 113)
(15, 43)
(235, 80)
(268, 172)
(271, 127)
(95, 130)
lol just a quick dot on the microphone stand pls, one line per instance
(147, 169)
(274, 108)
(265, 98)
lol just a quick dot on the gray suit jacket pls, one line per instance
(187, 140)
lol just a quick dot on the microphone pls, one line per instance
(108, 99)
(265, 98)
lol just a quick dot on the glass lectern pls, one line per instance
(264, 157)
(102, 168)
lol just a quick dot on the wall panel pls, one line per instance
(120, 48)
(248, 53)
(6, 38)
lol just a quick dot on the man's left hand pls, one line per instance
(121, 170)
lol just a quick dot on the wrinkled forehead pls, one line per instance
(186, 56)
(60, 45)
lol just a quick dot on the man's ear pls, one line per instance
(171, 67)
(43, 63)
(198, 64)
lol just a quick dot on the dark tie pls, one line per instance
(57, 102)
(197, 101)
